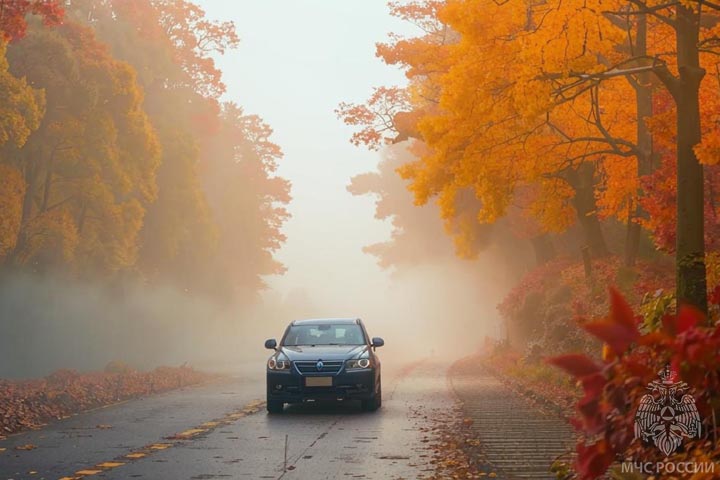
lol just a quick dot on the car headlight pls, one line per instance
(275, 364)
(357, 364)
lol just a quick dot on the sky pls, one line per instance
(297, 60)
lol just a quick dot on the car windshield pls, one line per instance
(340, 334)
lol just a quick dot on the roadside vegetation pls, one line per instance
(578, 144)
(30, 404)
(122, 169)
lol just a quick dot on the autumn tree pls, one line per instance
(679, 66)
(248, 201)
(533, 95)
(418, 234)
(21, 110)
(14, 13)
(481, 132)
(178, 235)
(89, 169)
(216, 222)
(21, 106)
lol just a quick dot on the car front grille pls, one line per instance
(310, 367)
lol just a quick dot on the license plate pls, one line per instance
(318, 381)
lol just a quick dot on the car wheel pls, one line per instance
(275, 406)
(375, 402)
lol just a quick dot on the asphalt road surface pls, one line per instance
(221, 431)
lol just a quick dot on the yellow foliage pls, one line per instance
(21, 106)
(51, 239)
(12, 191)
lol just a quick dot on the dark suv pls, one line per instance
(328, 359)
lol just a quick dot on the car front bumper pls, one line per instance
(289, 386)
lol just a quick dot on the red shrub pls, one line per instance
(614, 386)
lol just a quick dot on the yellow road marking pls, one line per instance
(160, 446)
(192, 432)
(248, 409)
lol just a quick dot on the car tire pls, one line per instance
(275, 406)
(372, 404)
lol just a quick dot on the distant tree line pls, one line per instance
(118, 159)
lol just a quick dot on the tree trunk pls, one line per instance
(47, 184)
(645, 158)
(582, 180)
(30, 174)
(634, 232)
(690, 245)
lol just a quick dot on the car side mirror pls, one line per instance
(271, 344)
(377, 342)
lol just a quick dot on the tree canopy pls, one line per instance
(118, 158)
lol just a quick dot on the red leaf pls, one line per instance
(594, 384)
(620, 310)
(714, 296)
(593, 460)
(654, 338)
(575, 364)
(593, 420)
(617, 335)
(619, 330)
(688, 318)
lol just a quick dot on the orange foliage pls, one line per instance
(13, 16)
(503, 97)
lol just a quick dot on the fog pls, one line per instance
(50, 323)
(293, 73)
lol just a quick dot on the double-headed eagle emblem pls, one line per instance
(667, 413)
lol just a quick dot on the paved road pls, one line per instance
(222, 431)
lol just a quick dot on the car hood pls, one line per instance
(323, 352)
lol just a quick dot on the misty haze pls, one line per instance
(313, 239)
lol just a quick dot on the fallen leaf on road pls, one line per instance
(28, 446)
(104, 427)
(29, 404)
